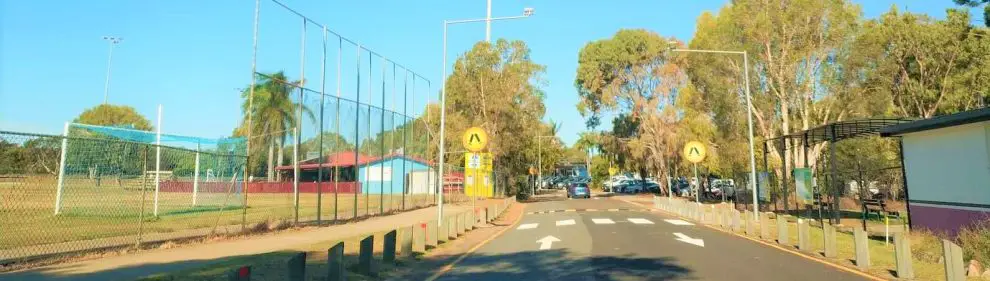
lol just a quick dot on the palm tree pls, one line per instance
(273, 113)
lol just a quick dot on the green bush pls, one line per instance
(926, 245)
(975, 241)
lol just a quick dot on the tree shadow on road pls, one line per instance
(554, 265)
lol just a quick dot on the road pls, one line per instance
(604, 238)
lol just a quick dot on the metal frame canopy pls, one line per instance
(843, 130)
(831, 132)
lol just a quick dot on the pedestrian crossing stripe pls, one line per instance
(588, 210)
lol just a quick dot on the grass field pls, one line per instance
(125, 211)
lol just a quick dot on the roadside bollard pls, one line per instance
(749, 224)
(955, 270)
(782, 237)
(388, 248)
(335, 262)
(365, 254)
(460, 223)
(803, 235)
(406, 243)
(902, 254)
(442, 231)
(736, 221)
(862, 248)
(419, 238)
(830, 248)
(431, 234)
(765, 226)
(242, 273)
(452, 227)
(297, 267)
(471, 222)
(491, 214)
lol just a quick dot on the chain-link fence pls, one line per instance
(61, 195)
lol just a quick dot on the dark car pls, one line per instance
(578, 190)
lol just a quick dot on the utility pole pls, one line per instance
(106, 87)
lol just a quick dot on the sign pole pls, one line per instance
(697, 187)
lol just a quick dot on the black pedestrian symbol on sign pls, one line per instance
(474, 138)
(694, 151)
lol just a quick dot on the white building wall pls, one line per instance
(949, 164)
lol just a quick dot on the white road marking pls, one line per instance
(565, 222)
(684, 238)
(639, 221)
(677, 222)
(596, 198)
(527, 226)
(546, 241)
(603, 221)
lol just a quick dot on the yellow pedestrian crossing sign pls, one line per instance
(694, 151)
(475, 139)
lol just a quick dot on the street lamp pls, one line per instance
(443, 97)
(749, 118)
(106, 87)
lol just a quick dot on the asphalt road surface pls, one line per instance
(608, 239)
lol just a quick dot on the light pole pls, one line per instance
(539, 161)
(749, 119)
(443, 98)
(106, 87)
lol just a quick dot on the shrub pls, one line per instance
(926, 245)
(975, 241)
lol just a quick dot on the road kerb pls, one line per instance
(451, 265)
(827, 263)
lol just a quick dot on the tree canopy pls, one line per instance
(114, 115)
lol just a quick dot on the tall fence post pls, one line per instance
(861, 242)
(955, 269)
(902, 255)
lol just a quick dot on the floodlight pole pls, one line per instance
(443, 101)
(61, 168)
(158, 157)
(196, 176)
(106, 87)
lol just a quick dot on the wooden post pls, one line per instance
(297, 267)
(242, 273)
(406, 244)
(862, 241)
(765, 226)
(782, 237)
(902, 254)
(955, 269)
(830, 248)
(335, 262)
(365, 255)
(431, 234)
(388, 249)
(803, 243)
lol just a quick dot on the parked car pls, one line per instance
(578, 190)
(630, 186)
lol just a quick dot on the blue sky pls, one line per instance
(192, 56)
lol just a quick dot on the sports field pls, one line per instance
(125, 212)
